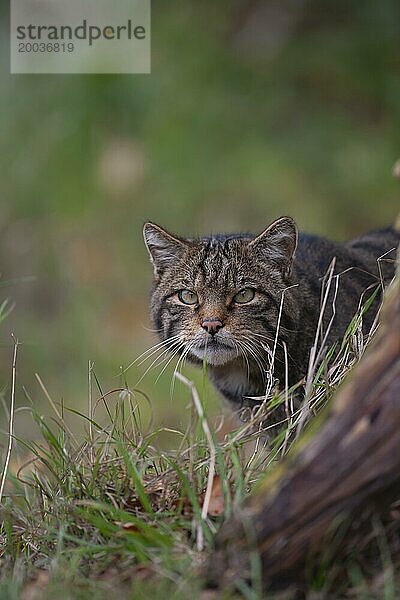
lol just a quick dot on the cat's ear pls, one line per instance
(164, 248)
(278, 243)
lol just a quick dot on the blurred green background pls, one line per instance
(253, 109)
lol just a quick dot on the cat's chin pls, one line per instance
(215, 356)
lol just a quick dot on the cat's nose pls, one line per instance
(212, 325)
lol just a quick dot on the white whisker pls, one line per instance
(151, 350)
(158, 360)
(255, 355)
(244, 355)
(180, 363)
(180, 347)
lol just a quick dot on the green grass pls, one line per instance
(113, 513)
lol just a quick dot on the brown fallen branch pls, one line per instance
(347, 462)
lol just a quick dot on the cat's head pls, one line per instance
(220, 296)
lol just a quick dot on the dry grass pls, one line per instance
(114, 512)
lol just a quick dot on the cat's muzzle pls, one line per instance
(215, 351)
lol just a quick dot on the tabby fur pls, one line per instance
(287, 272)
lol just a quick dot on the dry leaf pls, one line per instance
(216, 506)
(131, 527)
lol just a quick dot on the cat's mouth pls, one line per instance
(216, 352)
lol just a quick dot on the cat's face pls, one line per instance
(219, 297)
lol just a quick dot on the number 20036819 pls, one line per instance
(45, 47)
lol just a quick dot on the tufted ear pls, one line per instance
(278, 243)
(164, 248)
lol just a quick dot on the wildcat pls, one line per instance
(221, 298)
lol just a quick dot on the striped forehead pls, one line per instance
(218, 263)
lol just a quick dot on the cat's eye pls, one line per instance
(188, 297)
(244, 296)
